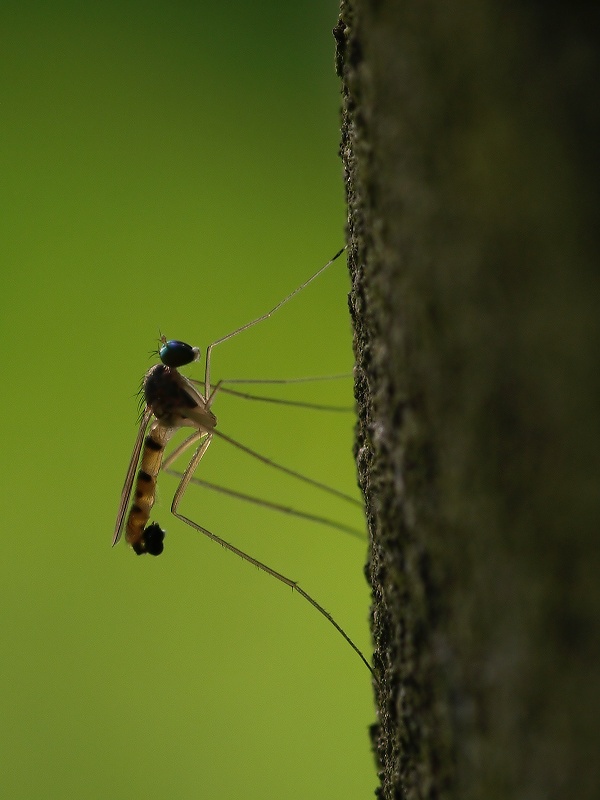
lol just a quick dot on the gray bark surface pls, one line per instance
(470, 148)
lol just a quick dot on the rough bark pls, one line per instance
(470, 138)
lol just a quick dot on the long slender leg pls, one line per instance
(221, 385)
(281, 401)
(260, 319)
(195, 437)
(185, 480)
(269, 462)
(309, 379)
(281, 468)
(270, 505)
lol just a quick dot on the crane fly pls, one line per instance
(172, 402)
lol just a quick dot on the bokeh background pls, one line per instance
(173, 167)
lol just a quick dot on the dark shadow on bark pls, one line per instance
(470, 139)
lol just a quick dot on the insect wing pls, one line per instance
(135, 457)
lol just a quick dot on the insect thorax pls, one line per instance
(165, 394)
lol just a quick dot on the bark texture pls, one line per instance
(470, 147)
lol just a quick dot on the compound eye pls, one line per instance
(178, 354)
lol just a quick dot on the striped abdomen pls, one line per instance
(142, 539)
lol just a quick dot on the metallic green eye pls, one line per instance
(178, 354)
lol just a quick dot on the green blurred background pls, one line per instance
(173, 166)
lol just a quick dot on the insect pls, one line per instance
(173, 401)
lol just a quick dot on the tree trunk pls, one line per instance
(470, 138)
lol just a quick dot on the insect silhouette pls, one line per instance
(172, 402)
